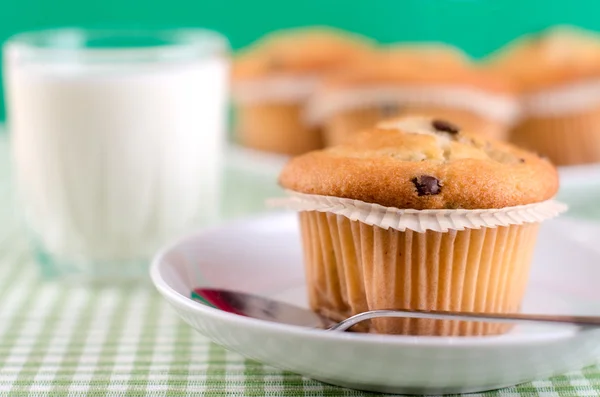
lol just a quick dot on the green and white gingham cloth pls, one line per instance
(58, 339)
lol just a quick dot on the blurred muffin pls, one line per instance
(419, 214)
(427, 79)
(273, 78)
(557, 72)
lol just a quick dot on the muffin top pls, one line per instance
(424, 163)
(424, 53)
(416, 65)
(550, 58)
(300, 51)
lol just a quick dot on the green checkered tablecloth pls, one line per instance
(123, 340)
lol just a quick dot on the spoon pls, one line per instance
(262, 308)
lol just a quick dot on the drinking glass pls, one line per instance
(116, 141)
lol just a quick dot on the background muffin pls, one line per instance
(427, 79)
(273, 78)
(558, 74)
(419, 214)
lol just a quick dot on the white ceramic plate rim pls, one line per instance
(579, 175)
(172, 294)
(258, 161)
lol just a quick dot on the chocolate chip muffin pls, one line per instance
(557, 72)
(418, 213)
(272, 79)
(434, 80)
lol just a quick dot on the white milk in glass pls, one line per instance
(111, 160)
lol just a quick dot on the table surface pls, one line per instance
(60, 339)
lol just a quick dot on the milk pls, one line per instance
(111, 161)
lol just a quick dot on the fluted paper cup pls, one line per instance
(361, 256)
(562, 124)
(276, 128)
(269, 114)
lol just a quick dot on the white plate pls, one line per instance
(265, 163)
(580, 190)
(579, 175)
(262, 255)
(250, 180)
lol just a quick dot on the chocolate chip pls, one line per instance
(389, 109)
(427, 185)
(521, 160)
(445, 126)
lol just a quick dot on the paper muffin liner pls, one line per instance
(283, 89)
(361, 256)
(566, 139)
(421, 221)
(352, 267)
(502, 108)
(276, 128)
(568, 99)
(562, 123)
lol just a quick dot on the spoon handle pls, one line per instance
(586, 321)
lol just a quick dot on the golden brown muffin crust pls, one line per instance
(410, 163)
(428, 64)
(421, 54)
(550, 58)
(300, 51)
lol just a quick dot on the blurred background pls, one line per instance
(76, 141)
(476, 26)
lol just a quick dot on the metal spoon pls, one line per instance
(259, 307)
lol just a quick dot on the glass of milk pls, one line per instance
(117, 142)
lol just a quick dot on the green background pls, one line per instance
(478, 26)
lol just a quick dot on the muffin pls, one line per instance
(433, 80)
(419, 214)
(557, 73)
(272, 79)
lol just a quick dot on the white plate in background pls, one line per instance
(250, 180)
(262, 255)
(268, 164)
(580, 190)
(579, 175)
